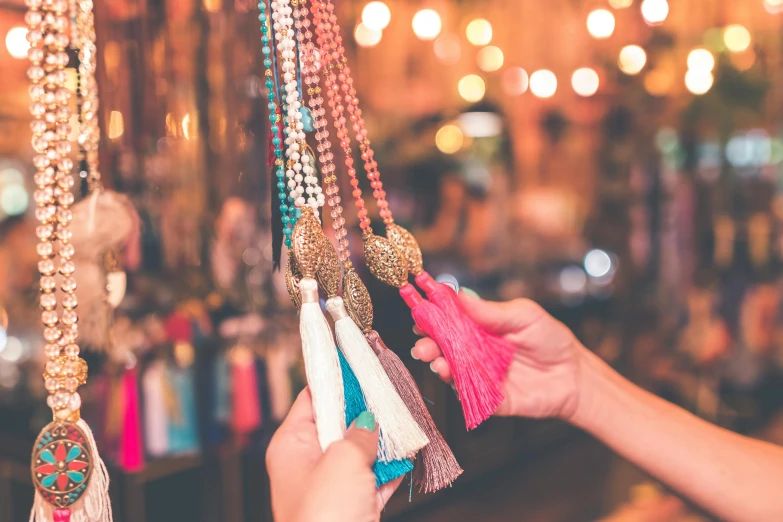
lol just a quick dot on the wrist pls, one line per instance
(594, 385)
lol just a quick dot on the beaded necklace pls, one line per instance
(65, 453)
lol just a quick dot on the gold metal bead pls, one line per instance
(385, 261)
(307, 243)
(330, 273)
(357, 300)
(408, 247)
(292, 278)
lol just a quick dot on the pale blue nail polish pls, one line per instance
(470, 292)
(413, 354)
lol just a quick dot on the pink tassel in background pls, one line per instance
(479, 392)
(131, 457)
(436, 466)
(494, 352)
(246, 405)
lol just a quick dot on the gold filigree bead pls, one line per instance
(329, 274)
(292, 278)
(357, 300)
(408, 247)
(385, 261)
(307, 240)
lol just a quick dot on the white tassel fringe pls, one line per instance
(322, 366)
(95, 505)
(401, 436)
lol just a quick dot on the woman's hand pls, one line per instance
(336, 486)
(544, 377)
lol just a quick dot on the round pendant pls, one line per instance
(61, 464)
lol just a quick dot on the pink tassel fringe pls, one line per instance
(478, 391)
(131, 452)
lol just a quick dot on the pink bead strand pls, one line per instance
(337, 55)
(335, 103)
(325, 156)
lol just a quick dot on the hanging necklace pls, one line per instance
(477, 359)
(401, 437)
(67, 471)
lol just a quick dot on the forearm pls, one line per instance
(732, 476)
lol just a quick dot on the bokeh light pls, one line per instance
(116, 125)
(376, 16)
(597, 263)
(773, 6)
(585, 81)
(427, 24)
(620, 4)
(16, 42)
(632, 59)
(449, 139)
(698, 82)
(744, 60)
(736, 37)
(479, 32)
(515, 81)
(448, 49)
(366, 37)
(655, 11)
(490, 58)
(14, 199)
(543, 83)
(700, 60)
(600, 23)
(471, 88)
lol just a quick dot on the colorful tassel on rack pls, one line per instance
(131, 454)
(354, 405)
(479, 393)
(436, 468)
(156, 418)
(322, 366)
(246, 407)
(494, 352)
(401, 436)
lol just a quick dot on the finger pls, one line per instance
(359, 447)
(441, 367)
(387, 490)
(501, 318)
(302, 409)
(426, 350)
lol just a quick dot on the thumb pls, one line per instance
(359, 447)
(501, 318)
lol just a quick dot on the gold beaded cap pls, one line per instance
(330, 273)
(307, 243)
(385, 261)
(357, 300)
(292, 278)
(408, 247)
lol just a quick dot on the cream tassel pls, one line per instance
(322, 366)
(401, 436)
(95, 505)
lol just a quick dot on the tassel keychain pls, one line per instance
(70, 479)
(479, 388)
(322, 364)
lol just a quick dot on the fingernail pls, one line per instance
(413, 354)
(432, 368)
(471, 293)
(366, 421)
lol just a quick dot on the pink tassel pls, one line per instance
(131, 457)
(495, 353)
(61, 515)
(479, 392)
(437, 467)
(246, 407)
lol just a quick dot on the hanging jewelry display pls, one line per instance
(105, 220)
(437, 466)
(69, 476)
(477, 359)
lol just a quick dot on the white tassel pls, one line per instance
(322, 366)
(95, 505)
(401, 436)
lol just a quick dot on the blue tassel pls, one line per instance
(354, 405)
